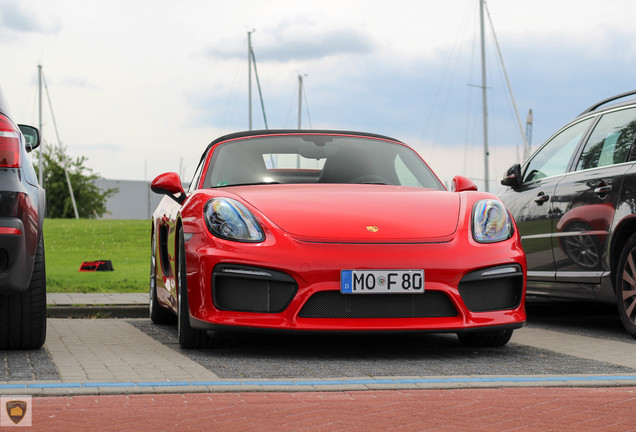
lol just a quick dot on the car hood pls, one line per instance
(357, 213)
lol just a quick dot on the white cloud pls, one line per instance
(159, 80)
(15, 18)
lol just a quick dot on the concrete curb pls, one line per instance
(56, 388)
(97, 305)
(97, 311)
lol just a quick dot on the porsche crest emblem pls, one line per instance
(16, 410)
(372, 228)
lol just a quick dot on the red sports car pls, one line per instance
(331, 231)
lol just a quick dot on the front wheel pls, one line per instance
(626, 286)
(187, 336)
(485, 338)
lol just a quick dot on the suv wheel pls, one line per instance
(626, 286)
(23, 316)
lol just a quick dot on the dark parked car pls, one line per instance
(574, 202)
(22, 206)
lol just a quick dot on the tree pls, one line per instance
(90, 200)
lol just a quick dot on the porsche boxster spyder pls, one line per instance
(311, 230)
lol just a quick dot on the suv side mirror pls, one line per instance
(512, 177)
(31, 137)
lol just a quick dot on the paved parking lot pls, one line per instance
(560, 371)
(132, 355)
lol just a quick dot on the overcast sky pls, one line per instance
(141, 87)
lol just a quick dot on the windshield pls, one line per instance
(317, 159)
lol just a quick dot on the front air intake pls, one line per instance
(251, 289)
(334, 304)
(498, 288)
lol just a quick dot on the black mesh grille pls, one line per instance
(490, 294)
(333, 304)
(245, 293)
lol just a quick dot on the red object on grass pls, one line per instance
(91, 266)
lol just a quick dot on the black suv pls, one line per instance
(22, 208)
(574, 202)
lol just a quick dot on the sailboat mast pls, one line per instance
(249, 75)
(484, 92)
(528, 140)
(300, 98)
(40, 157)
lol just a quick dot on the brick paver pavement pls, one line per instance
(112, 350)
(509, 409)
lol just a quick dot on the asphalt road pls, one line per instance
(276, 356)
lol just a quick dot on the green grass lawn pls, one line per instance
(69, 242)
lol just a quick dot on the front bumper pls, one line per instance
(467, 286)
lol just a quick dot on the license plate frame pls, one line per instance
(376, 281)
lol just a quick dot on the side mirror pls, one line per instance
(31, 137)
(169, 184)
(461, 184)
(512, 177)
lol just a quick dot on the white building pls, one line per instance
(134, 200)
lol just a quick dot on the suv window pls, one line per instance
(610, 141)
(554, 157)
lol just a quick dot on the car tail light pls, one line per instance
(10, 231)
(9, 144)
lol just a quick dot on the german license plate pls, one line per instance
(381, 281)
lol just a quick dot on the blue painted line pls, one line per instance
(216, 383)
(323, 383)
(268, 383)
(363, 381)
(54, 385)
(317, 382)
(164, 384)
(12, 386)
(107, 384)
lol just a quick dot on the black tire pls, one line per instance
(158, 314)
(625, 283)
(23, 316)
(485, 338)
(188, 337)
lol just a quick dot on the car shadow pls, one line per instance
(591, 319)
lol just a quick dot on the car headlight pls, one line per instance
(491, 222)
(229, 219)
